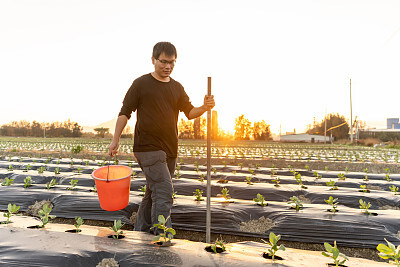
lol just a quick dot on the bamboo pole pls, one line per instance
(208, 215)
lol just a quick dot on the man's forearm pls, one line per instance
(197, 112)
(119, 126)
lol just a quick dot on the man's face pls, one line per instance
(164, 65)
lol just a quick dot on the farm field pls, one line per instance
(289, 189)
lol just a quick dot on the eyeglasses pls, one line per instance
(165, 62)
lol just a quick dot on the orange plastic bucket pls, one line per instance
(113, 192)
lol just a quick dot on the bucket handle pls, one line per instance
(108, 168)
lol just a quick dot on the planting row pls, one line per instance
(240, 150)
(299, 208)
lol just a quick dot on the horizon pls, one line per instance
(281, 62)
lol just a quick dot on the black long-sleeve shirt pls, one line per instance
(158, 105)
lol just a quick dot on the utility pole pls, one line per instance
(351, 117)
(325, 128)
(208, 213)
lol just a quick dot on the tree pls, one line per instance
(185, 129)
(261, 131)
(101, 132)
(242, 128)
(199, 128)
(77, 130)
(332, 125)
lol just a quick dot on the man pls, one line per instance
(158, 99)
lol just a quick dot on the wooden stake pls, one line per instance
(208, 215)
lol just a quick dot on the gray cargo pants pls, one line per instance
(158, 170)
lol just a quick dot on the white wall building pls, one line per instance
(304, 137)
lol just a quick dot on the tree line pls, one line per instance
(336, 125)
(244, 129)
(40, 129)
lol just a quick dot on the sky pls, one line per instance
(285, 62)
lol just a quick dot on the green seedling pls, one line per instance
(273, 172)
(79, 222)
(167, 233)
(326, 168)
(116, 227)
(296, 203)
(94, 189)
(290, 167)
(215, 170)
(394, 189)
(317, 175)
(363, 188)
(79, 170)
(341, 176)
(234, 172)
(257, 166)
(389, 252)
(41, 169)
(51, 184)
(332, 183)
(366, 174)
(218, 244)
(251, 171)
(7, 182)
(198, 194)
(365, 206)
(334, 253)
(273, 242)
(27, 168)
(332, 202)
(86, 162)
(260, 200)
(248, 180)
(73, 184)
(44, 215)
(197, 166)
(10, 210)
(307, 167)
(57, 170)
(201, 178)
(241, 165)
(225, 193)
(277, 180)
(10, 168)
(387, 175)
(174, 194)
(346, 170)
(130, 165)
(224, 162)
(299, 180)
(177, 174)
(27, 181)
(143, 189)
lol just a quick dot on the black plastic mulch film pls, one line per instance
(312, 224)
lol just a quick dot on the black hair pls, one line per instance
(166, 47)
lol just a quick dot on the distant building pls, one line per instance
(304, 137)
(392, 123)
